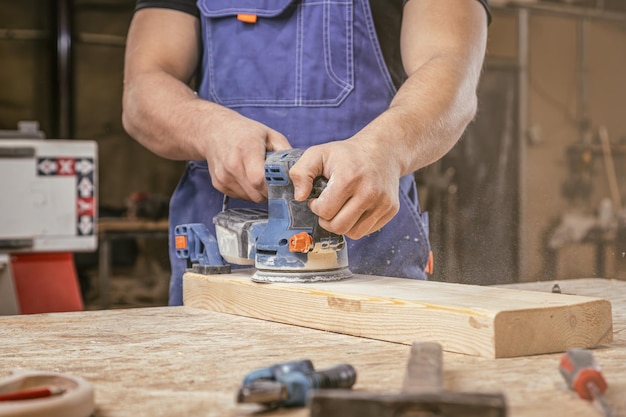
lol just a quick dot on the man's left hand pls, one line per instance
(362, 191)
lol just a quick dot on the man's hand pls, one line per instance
(235, 152)
(162, 113)
(362, 191)
(443, 46)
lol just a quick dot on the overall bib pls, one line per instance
(312, 70)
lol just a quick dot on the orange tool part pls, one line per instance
(180, 242)
(301, 242)
(584, 376)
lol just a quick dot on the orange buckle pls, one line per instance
(430, 266)
(247, 18)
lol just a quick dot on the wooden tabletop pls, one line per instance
(179, 361)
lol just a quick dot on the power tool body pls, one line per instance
(285, 242)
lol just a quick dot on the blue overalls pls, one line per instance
(312, 70)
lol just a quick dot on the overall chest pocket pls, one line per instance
(287, 53)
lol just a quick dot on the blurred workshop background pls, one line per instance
(535, 190)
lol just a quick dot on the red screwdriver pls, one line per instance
(584, 375)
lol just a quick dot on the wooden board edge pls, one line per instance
(586, 324)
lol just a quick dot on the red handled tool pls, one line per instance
(584, 375)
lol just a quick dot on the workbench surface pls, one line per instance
(179, 361)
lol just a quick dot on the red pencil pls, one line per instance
(29, 394)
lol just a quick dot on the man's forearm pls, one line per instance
(443, 47)
(159, 109)
(428, 115)
(164, 115)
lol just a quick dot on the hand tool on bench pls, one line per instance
(29, 393)
(289, 384)
(422, 394)
(584, 376)
(285, 243)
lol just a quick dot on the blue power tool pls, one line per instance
(285, 242)
(289, 384)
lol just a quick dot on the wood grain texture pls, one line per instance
(180, 361)
(475, 320)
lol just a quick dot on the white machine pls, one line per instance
(48, 202)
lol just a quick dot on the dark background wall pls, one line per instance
(492, 200)
(32, 87)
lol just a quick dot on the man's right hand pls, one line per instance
(235, 152)
(162, 113)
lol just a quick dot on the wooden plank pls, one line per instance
(481, 321)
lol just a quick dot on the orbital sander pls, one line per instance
(285, 243)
